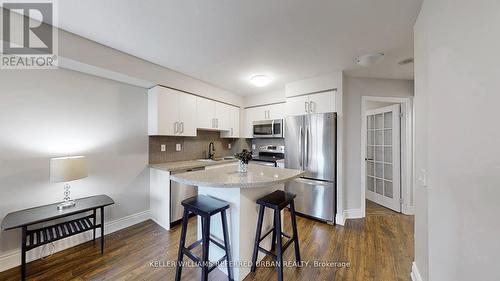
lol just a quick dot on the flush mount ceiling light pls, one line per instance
(369, 59)
(260, 80)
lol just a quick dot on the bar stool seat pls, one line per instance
(277, 200)
(205, 207)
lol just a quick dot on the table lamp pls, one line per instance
(66, 169)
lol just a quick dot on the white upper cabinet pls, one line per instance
(174, 113)
(313, 103)
(165, 116)
(187, 114)
(234, 124)
(250, 115)
(276, 111)
(222, 116)
(297, 105)
(212, 115)
(205, 113)
(322, 102)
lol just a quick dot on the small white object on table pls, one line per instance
(241, 190)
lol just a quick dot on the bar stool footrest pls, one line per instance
(267, 253)
(214, 266)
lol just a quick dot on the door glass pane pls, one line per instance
(379, 186)
(379, 137)
(370, 140)
(388, 120)
(387, 154)
(388, 137)
(379, 153)
(379, 170)
(379, 121)
(388, 189)
(370, 153)
(369, 168)
(370, 183)
(388, 171)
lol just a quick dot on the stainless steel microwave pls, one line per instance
(268, 128)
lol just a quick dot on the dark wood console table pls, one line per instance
(32, 238)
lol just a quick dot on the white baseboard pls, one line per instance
(408, 210)
(415, 274)
(13, 259)
(353, 214)
(340, 219)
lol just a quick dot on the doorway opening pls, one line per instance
(387, 153)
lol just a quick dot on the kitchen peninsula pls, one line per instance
(241, 190)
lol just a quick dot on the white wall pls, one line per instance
(51, 113)
(354, 89)
(89, 52)
(457, 73)
(265, 98)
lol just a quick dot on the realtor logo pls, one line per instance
(29, 38)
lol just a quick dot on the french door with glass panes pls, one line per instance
(383, 183)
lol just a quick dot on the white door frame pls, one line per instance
(407, 190)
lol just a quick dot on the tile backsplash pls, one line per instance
(193, 147)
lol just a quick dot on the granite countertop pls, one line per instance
(229, 177)
(189, 164)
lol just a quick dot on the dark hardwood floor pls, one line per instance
(378, 247)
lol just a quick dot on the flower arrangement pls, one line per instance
(244, 156)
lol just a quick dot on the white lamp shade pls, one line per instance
(64, 169)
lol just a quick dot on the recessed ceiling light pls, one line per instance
(260, 80)
(369, 59)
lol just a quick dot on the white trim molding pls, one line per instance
(415, 274)
(353, 214)
(13, 259)
(407, 153)
(340, 219)
(348, 214)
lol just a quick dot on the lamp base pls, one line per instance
(66, 205)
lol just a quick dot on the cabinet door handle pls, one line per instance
(182, 127)
(311, 106)
(216, 122)
(306, 105)
(213, 122)
(176, 127)
(231, 131)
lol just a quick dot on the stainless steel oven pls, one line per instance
(268, 128)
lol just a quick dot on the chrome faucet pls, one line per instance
(211, 150)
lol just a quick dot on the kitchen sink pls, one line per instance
(215, 159)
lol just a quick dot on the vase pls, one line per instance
(242, 167)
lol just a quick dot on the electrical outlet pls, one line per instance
(178, 147)
(163, 148)
(228, 146)
(253, 146)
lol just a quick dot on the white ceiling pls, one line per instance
(225, 42)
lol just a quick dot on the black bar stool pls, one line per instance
(277, 200)
(205, 207)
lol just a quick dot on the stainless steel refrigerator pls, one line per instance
(310, 145)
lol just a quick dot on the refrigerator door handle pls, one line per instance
(306, 148)
(301, 152)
